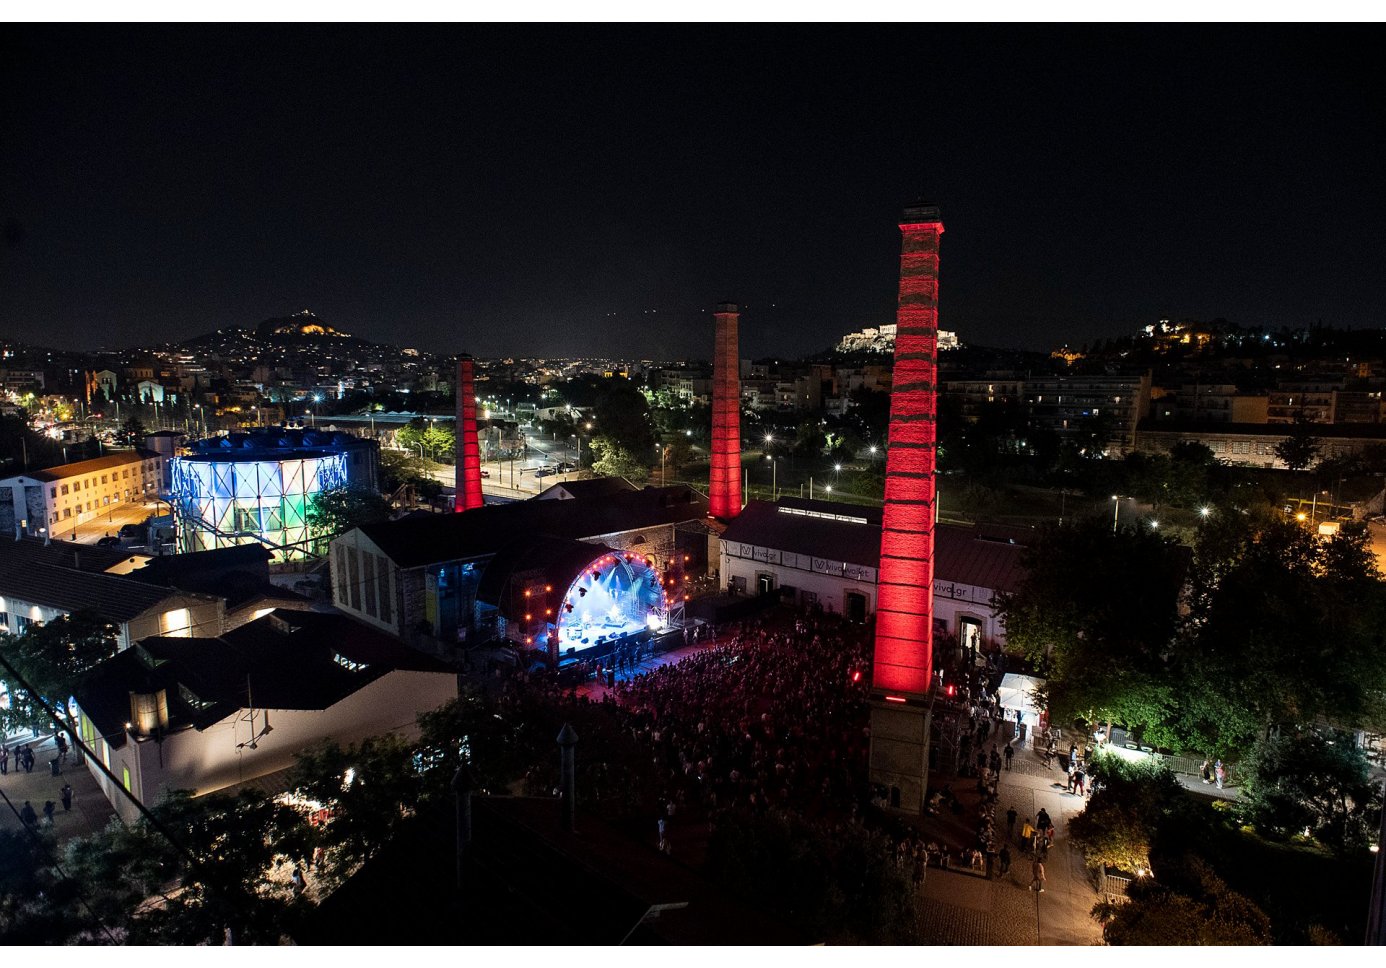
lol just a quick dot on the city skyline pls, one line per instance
(514, 192)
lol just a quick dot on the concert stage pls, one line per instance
(616, 599)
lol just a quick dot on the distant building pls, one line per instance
(1253, 445)
(1067, 404)
(881, 339)
(57, 500)
(19, 380)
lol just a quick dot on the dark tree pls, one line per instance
(1311, 782)
(1300, 449)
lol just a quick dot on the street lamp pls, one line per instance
(774, 467)
(1116, 512)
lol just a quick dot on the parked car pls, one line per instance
(485, 472)
(566, 466)
(110, 541)
(545, 472)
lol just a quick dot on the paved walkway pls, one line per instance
(90, 812)
(965, 909)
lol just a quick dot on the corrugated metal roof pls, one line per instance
(484, 531)
(961, 554)
(115, 599)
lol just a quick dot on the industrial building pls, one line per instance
(259, 486)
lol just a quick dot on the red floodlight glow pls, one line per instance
(896, 699)
(856, 676)
(904, 610)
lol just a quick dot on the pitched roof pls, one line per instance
(484, 531)
(65, 471)
(590, 487)
(65, 554)
(115, 598)
(963, 554)
(286, 660)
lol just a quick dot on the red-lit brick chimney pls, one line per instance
(903, 658)
(724, 480)
(468, 482)
(905, 586)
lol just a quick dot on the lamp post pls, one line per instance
(774, 467)
(1116, 511)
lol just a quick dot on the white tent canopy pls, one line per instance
(1017, 692)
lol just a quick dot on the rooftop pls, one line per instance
(969, 555)
(484, 531)
(285, 660)
(64, 472)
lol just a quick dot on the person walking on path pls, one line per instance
(1010, 751)
(67, 797)
(1010, 824)
(1005, 859)
(27, 814)
(4, 760)
(1027, 834)
(48, 809)
(1037, 875)
(1220, 772)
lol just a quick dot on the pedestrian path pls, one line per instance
(964, 909)
(90, 812)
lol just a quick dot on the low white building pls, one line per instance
(43, 581)
(58, 499)
(206, 714)
(825, 554)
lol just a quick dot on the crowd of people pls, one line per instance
(771, 714)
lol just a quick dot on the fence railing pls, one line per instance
(1113, 886)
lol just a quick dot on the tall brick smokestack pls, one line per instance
(903, 658)
(724, 482)
(468, 482)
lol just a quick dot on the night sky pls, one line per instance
(536, 191)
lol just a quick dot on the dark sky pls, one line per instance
(537, 191)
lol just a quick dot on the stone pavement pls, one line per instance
(965, 909)
(91, 811)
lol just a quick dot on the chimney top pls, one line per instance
(726, 307)
(921, 211)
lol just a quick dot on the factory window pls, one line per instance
(104, 479)
(67, 513)
(176, 623)
(52, 492)
(383, 578)
(64, 488)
